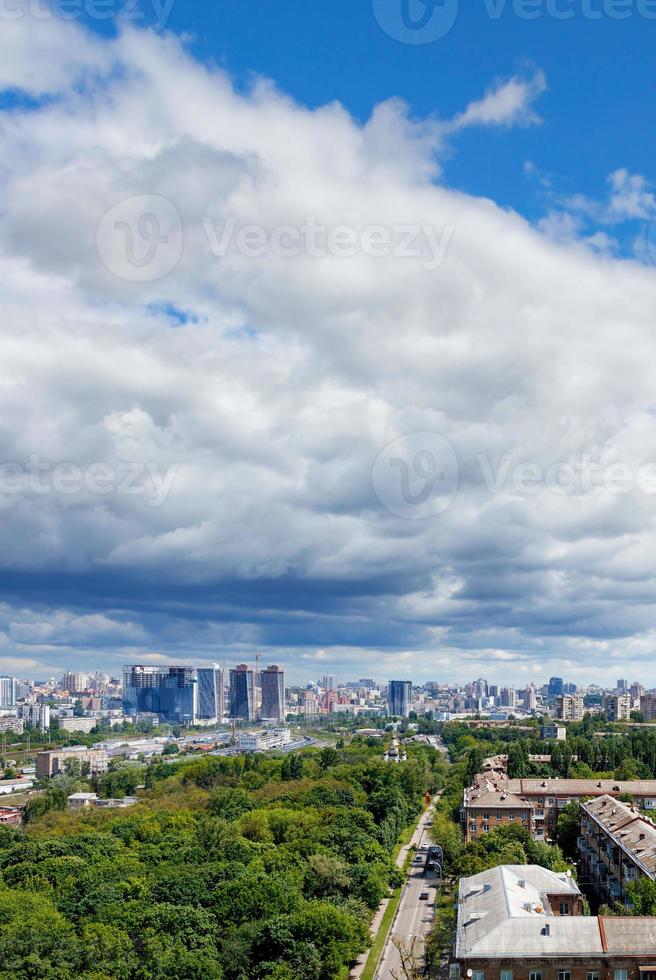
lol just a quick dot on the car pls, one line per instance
(419, 860)
(423, 896)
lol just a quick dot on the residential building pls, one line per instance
(11, 816)
(78, 724)
(486, 807)
(617, 846)
(273, 693)
(10, 722)
(329, 682)
(211, 694)
(74, 682)
(618, 707)
(35, 716)
(242, 693)
(523, 922)
(399, 698)
(556, 733)
(7, 691)
(547, 798)
(507, 697)
(272, 738)
(622, 684)
(648, 706)
(95, 761)
(171, 693)
(569, 707)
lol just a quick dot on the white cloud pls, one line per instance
(289, 376)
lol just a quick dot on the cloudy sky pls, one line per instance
(319, 358)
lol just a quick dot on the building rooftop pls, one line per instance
(496, 797)
(581, 787)
(633, 832)
(629, 935)
(505, 911)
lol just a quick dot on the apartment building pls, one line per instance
(569, 707)
(53, 762)
(553, 733)
(648, 706)
(548, 797)
(618, 707)
(617, 846)
(486, 807)
(522, 922)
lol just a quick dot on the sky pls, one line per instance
(328, 334)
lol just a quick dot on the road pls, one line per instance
(414, 917)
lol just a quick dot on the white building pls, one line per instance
(272, 738)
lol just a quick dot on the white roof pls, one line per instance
(504, 912)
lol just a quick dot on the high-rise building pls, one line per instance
(556, 687)
(367, 682)
(74, 682)
(569, 707)
(273, 693)
(569, 688)
(329, 682)
(211, 693)
(399, 698)
(618, 707)
(507, 697)
(35, 715)
(242, 693)
(7, 691)
(170, 692)
(622, 684)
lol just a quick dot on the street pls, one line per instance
(414, 917)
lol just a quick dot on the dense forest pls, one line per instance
(247, 867)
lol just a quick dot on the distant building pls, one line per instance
(618, 707)
(74, 682)
(211, 693)
(10, 722)
(242, 693)
(622, 684)
(569, 707)
(553, 732)
(79, 801)
(53, 762)
(35, 716)
(74, 724)
(273, 693)
(272, 738)
(399, 698)
(556, 687)
(169, 692)
(329, 682)
(7, 691)
(648, 706)
(11, 816)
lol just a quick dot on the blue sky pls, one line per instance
(426, 450)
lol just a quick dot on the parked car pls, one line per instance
(423, 896)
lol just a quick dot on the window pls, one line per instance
(506, 975)
(621, 974)
(592, 975)
(564, 975)
(498, 816)
(535, 975)
(564, 908)
(486, 816)
(511, 816)
(478, 975)
(486, 826)
(454, 971)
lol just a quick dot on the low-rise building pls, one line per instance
(548, 797)
(271, 738)
(52, 762)
(486, 807)
(523, 922)
(617, 846)
(11, 816)
(557, 733)
(79, 801)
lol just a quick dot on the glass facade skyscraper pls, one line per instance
(273, 693)
(399, 698)
(211, 694)
(169, 692)
(242, 693)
